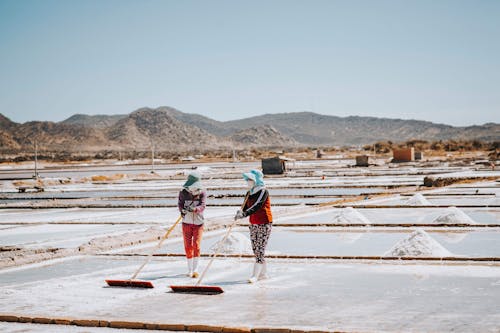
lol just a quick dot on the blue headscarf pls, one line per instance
(258, 179)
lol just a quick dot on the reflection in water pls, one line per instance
(349, 237)
(454, 237)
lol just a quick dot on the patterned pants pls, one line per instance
(192, 239)
(259, 234)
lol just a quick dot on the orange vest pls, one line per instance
(263, 215)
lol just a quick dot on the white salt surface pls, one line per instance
(418, 200)
(349, 237)
(350, 215)
(454, 237)
(61, 236)
(418, 244)
(495, 201)
(340, 292)
(453, 215)
(106, 215)
(236, 242)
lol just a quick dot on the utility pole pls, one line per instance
(35, 176)
(152, 157)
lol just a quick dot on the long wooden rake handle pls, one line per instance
(220, 244)
(156, 248)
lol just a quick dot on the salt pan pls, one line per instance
(418, 244)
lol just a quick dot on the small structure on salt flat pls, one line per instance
(275, 165)
(403, 155)
(362, 160)
(418, 244)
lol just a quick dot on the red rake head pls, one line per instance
(130, 283)
(201, 290)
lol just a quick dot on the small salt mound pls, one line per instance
(453, 215)
(235, 243)
(418, 200)
(350, 215)
(418, 244)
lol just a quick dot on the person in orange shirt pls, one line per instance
(258, 209)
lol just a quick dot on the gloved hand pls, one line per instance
(184, 212)
(239, 215)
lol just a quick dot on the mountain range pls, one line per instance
(169, 129)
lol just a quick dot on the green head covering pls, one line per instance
(193, 181)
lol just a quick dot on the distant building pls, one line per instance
(419, 156)
(403, 155)
(362, 160)
(188, 159)
(274, 165)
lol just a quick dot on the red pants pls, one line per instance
(192, 239)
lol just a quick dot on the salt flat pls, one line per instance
(362, 295)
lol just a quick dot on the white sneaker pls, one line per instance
(257, 269)
(194, 273)
(263, 273)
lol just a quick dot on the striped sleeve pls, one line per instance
(263, 195)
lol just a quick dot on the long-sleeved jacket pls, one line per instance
(194, 204)
(258, 207)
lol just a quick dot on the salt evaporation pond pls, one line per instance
(396, 215)
(340, 292)
(441, 200)
(60, 235)
(105, 215)
(340, 242)
(167, 202)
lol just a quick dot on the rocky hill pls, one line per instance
(262, 136)
(172, 130)
(97, 121)
(146, 125)
(312, 128)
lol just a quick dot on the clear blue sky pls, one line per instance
(431, 60)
